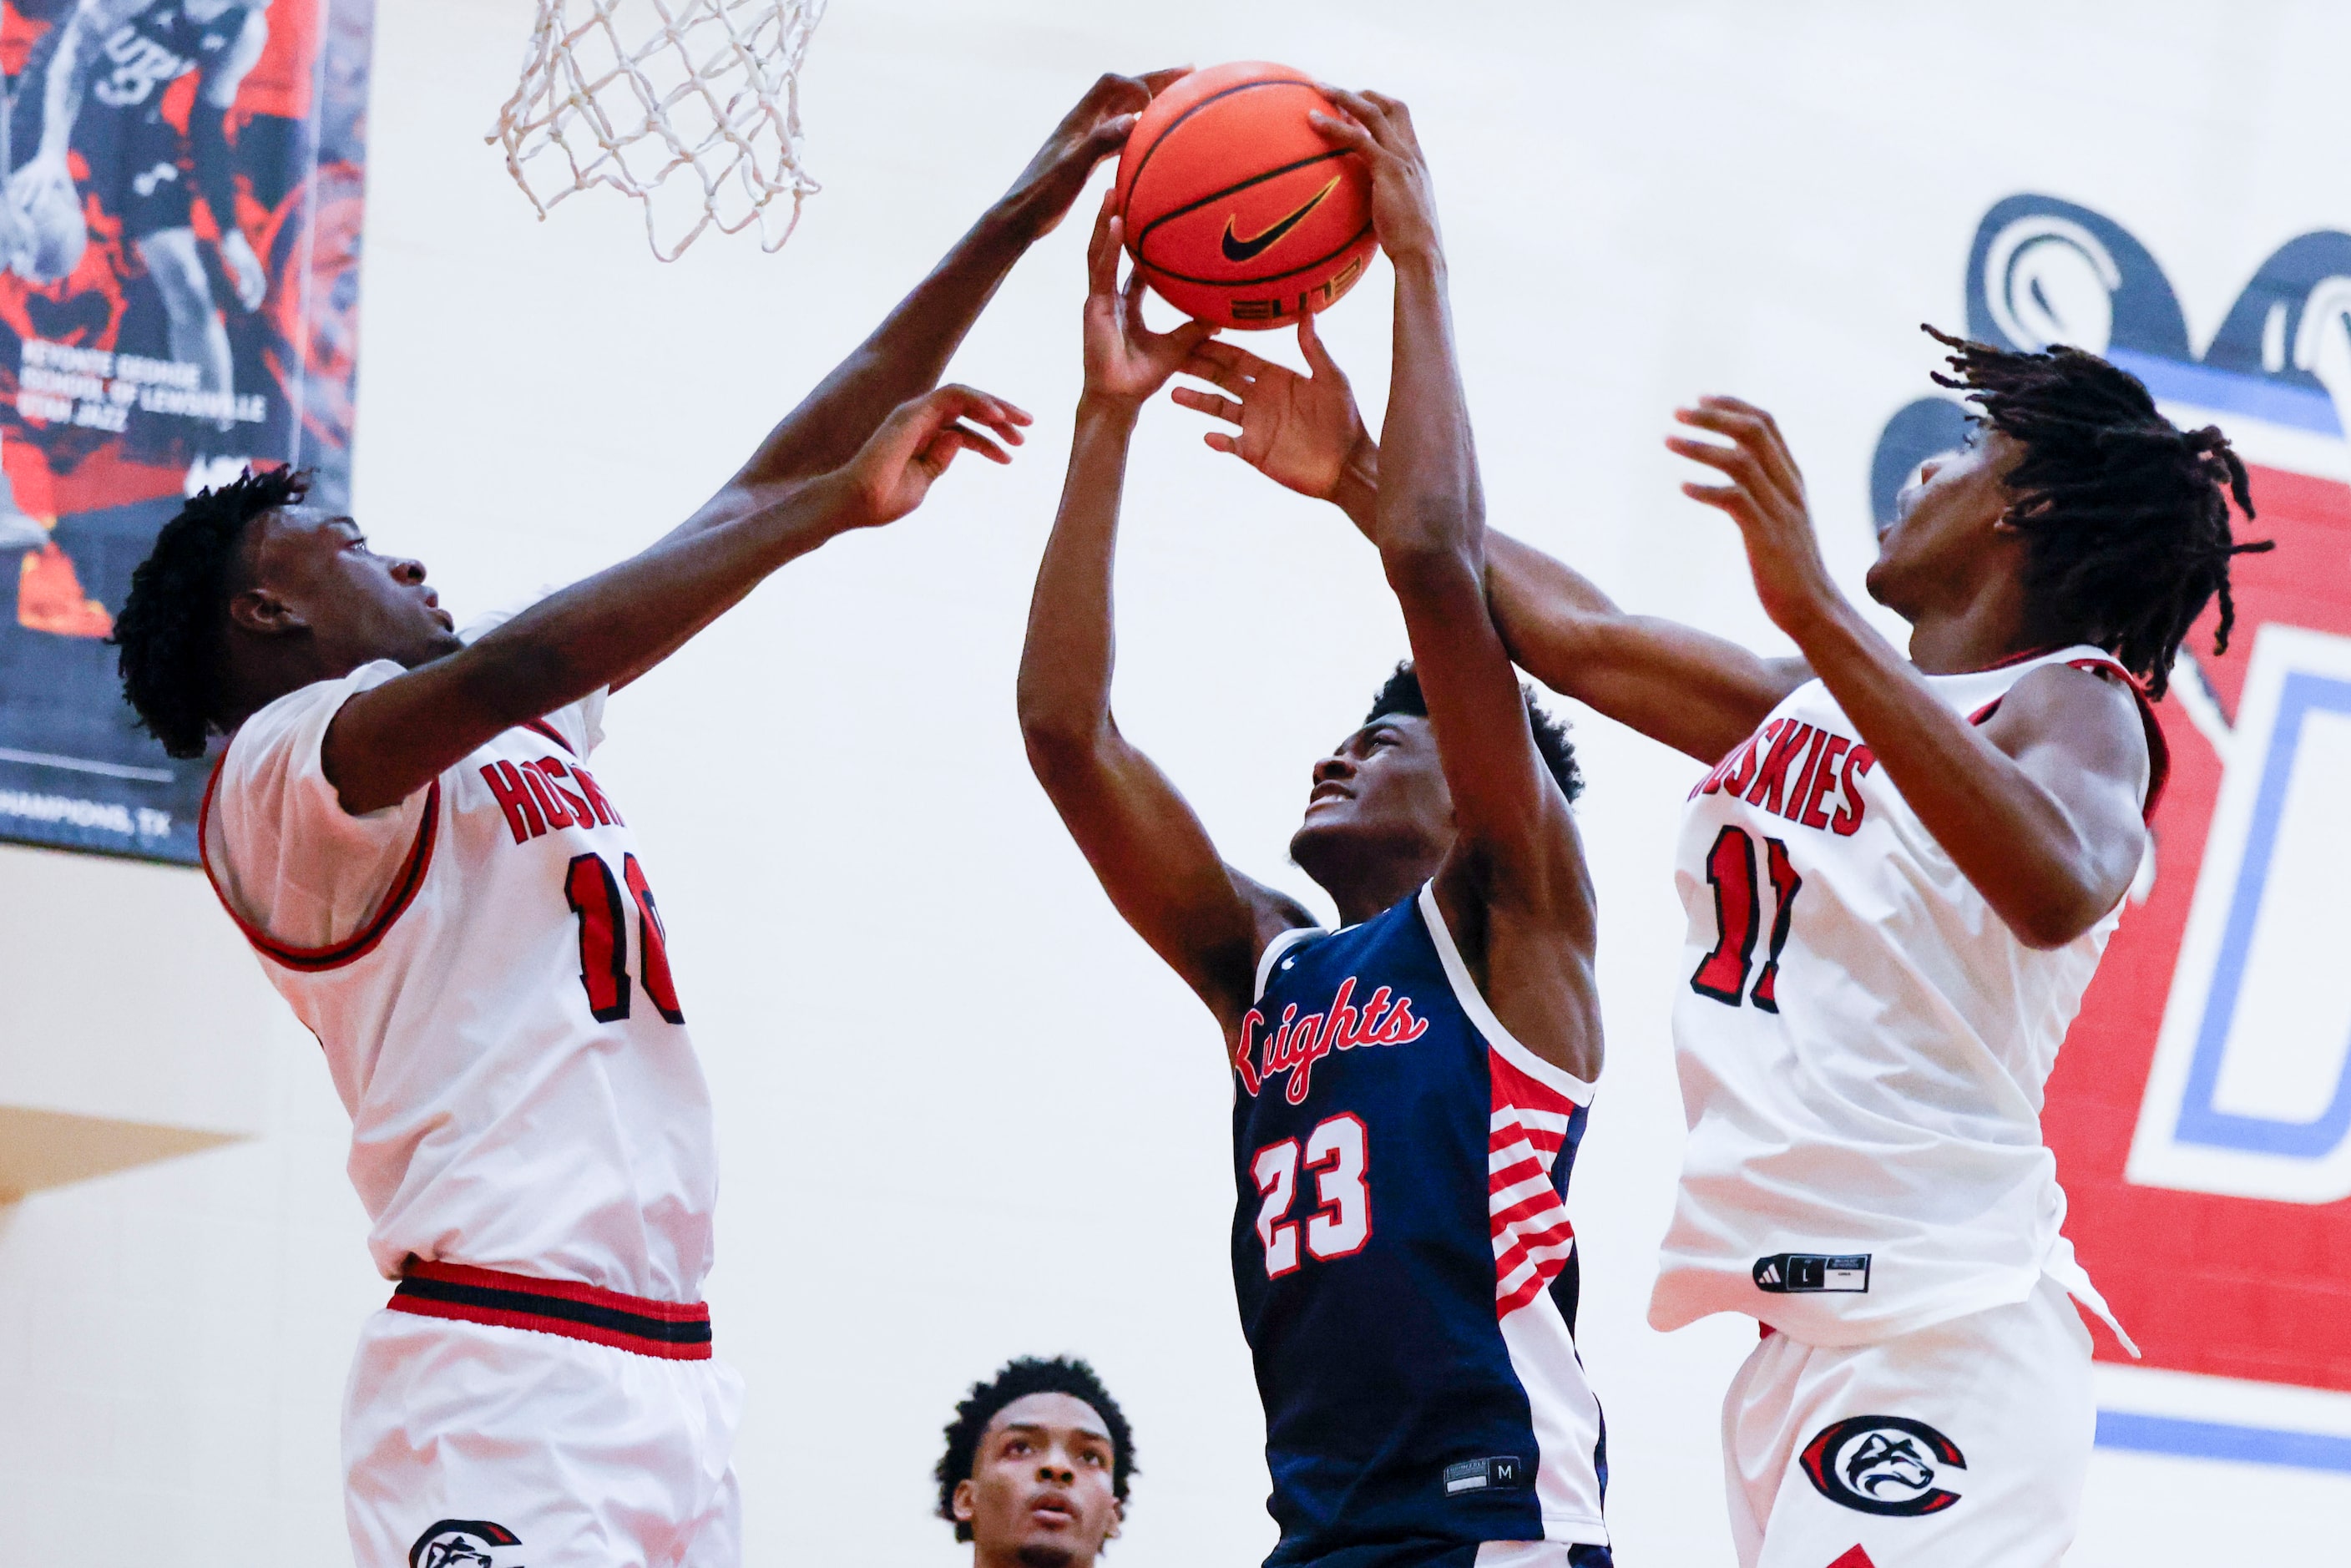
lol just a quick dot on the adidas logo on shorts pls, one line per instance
(1787, 1273)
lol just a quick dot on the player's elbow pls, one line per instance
(2056, 917)
(1062, 736)
(1432, 553)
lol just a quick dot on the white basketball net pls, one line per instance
(627, 93)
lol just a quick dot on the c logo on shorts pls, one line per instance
(1882, 1464)
(462, 1544)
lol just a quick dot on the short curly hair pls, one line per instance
(1018, 1379)
(1403, 695)
(169, 633)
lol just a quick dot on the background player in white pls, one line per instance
(124, 54)
(1036, 1467)
(403, 824)
(1900, 873)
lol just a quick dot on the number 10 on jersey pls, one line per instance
(1337, 1158)
(594, 895)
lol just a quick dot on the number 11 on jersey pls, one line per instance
(1739, 918)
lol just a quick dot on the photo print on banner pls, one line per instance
(2200, 1111)
(179, 295)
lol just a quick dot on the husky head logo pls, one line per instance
(1882, 1465)
(463, 1543)
(1890, 1466)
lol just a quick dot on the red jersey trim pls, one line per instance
(2159, 749)
(2026, 657)
(540, 727)
(360, 943)
(668, 1330)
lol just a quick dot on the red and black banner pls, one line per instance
(179, 295)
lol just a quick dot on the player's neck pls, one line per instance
(1364, 885)
(1010, 1557)
(1979, 629)
(258, 672)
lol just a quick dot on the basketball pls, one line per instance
(1238, 211)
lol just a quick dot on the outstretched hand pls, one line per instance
(898, 463)
(1765, 497)
(1379, 129)
(1297, 430)
(1126, 361)
(1041, 198)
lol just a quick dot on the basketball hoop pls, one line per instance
(627, 93)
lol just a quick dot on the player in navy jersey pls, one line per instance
(97, 81)
(1900, 875)
(1410, 1090)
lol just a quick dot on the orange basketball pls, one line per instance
(1237, 212)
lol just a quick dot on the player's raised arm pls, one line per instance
(1694, 692)
(2041, 807)
(906, 354)
(71, 67)
(1516, 870)
(392, 739)
(81, 44)
(216, 162)
(1153, 855)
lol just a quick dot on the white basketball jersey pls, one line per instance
(485, 967)
(1862, 1044)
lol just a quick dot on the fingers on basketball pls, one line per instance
(1318, 358)
(1236, 209)
(1101, 251)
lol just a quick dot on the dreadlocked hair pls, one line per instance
(1017, 1379)
(2125, 515)
(169, 631)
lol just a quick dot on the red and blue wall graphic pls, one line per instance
(2200, 1111)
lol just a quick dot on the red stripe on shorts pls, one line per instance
(668, 1330)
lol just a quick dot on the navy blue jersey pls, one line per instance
(154, 48)
(1402, 1253)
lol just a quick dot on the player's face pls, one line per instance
(1381, 792)
(1040, 1493)
(1944, 522)
(359, 605)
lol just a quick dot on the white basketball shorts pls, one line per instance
(471, 1444)
(1962, 1445)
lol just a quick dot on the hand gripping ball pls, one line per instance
(1237, 212)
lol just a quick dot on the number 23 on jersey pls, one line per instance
(1336, 1156)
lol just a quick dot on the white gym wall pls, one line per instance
(964, 1115)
